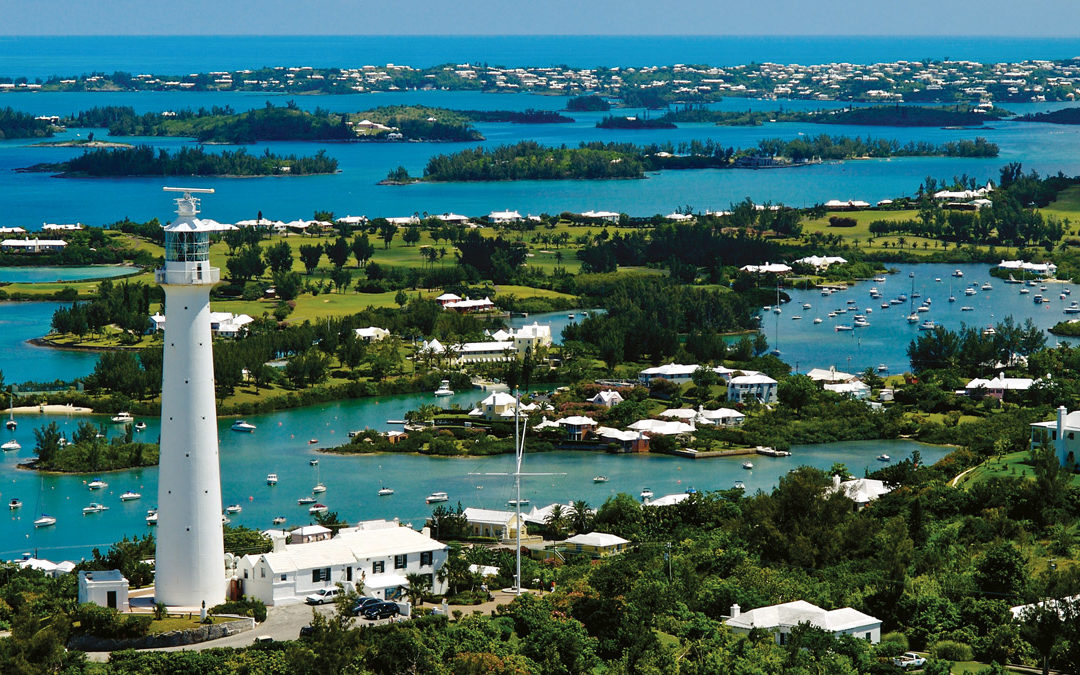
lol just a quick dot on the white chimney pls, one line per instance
(735, 609)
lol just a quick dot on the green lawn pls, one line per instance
(1012, 464)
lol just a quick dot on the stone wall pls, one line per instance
(176, 638)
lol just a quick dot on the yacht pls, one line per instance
(444, 389)
(739, 485)
(937, 279)
(748, 465)
(11, 423)
(884, 458)
(957, 274)
(806, 305)
(969, 291)
(600, 479)
(796, 317)
(1067, 291)
(306, 500)
(570, 316)
(874, 291)
(233, 508)
(902, 297)
(861, 323)
(242, 425)
(45, 521)
(151, 517)
(1073, 308)
(271, 479)
(140, 426)
(1038, 299)
(776, 310)
(122, 418)
(646, 494)
(1031, 282)
(94, 508)
(986, 286)
(913, 318)
(224, 520)
(386, 492)
(10, 445)
(818, 320)
(524, 501)
(1024, 291)
(318, 489)
(882, 368)
(317, 508)
(916, 295)
(15, 503)
(879, 279)
(313, 462)
(279, 520)
(97, 484)
(436, 497)
(952, 298)
(927, 325)
(923, 308)
(312, 441)
(843, 328)
(851, 302)
(989, 331)
(896, 301)
(130, 495)
(884, 305)
(967, 308)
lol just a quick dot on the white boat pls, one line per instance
(570, 316)
(916, 294)
(958, 274)
(927, 325)
(796, 317)
(94, 508)
(739, 485)
(140, 426)
(937, 279)
(1067, 291)
(1024, 291)
(224, 520)
(884, 458)
(952, 298)
(122, 418)
(882, 368)
(913, 318)
(45, 521)
(874, 290)
(818, 320)
(386, 492)
(969, 291)
(97, 484)
(600, 479)
(879, 279)
(313, 462)
(306, 500)
(1031, 282)
(10, 445)
(317, 508)
(280, 520)
(436, 497)
(884, 305)
(1038, 299)
(444, 389)
(11, 424)
(318, 489)
(1073, 308)
(130, 495)
(989, 331)
(233, 508)
(271, 479)
(776, 310)
(646, 494)
(524, 501)
(861, 323)
(806, 305)
(242, 425)
(151, 517)
(843, 328)
(967, 308)
(986, 286)
(748, 465)
(15, 503)
(1012, 280)
(923, 308)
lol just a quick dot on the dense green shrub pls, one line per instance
(252, 607)
(951, 651)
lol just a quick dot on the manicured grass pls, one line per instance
(182, 623)
(530, 292)
(1012, 464)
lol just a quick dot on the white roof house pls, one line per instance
(372, 333)
(862, 491)
(501, 525)
(1042, 269)
(676, 372)
(780, 619)
(609, 216)
(821, 262)
(12, 230)
(61, 227)
(504, 217)
(606, 398)
(1063, 434)
(721, 416)
(378, 557)
(661, 427)
(222, 324)
(854, 389)
(106, 588)
(32, 245)
(742, 388)
(767, 268)
(596, 543)
(668, 500)
(830, 375)
(998, 385)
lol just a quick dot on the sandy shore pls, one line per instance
(53, 409)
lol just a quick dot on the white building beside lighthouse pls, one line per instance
(190, 558)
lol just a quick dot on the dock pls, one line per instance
(733, 452)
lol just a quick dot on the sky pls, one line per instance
(1032, 18)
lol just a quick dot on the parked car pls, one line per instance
(362, 603)
(909, 660)
(381, 610)
(323, 596)
(263, 639)
(307, 631)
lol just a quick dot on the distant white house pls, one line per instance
(607, 216)
(662, 427)
(720, 417)
(829, 375)
(1047, 269)
(47, 567)
(222, 324)
(781, 619)
(851, 204)
(504, 217)
(12, 230)
(673, 372)
(309, 534)
(501, 525)
(372, 334)
(743, 388)
(862, 491)
(106, 588)
(854, 389)
(62, 227)
(32, 245)
(998, 385)
(767, 268)
(821, 262)
(606, 398)
(468, 306)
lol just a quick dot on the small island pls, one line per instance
(871, 116)
(18, 124)
(145, 160)
(634, 123)
(88, 451)
(1063, 116)
(590, 103)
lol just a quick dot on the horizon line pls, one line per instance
(558, 35)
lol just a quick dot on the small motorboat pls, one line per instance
(386, 492)
(986, 286)
(989, 331)
(1073, 308)
(224, 520)
(879, 279)
(15, 503)
(151, 517)
(916, 295)
(130, 495)
(524, 501)
(570, 316)
(10, 445)
(806, 305)
(776, 310)
(952, 298)
(902, 297)
(444, 389)
(884, 458)
(271, 479)
(436, 497)
(140, 426)
(97, 484)
(796, 317)
(313, 462)
(927, 325)
(306, 500)
(1038, 299)
(312, 441)
(122, 418)
(646, 494)
(600, 479)
(280, 520)
(1024, 291)
(969, 291)
(851, 302)
(923, 308)
(318, 489)
(884, 305)
(1067, 291)
(913, 318)
(1031, 282)
(957, 273)
(233, 508)
(94, 508)
(896, 301)
(967, 308)
(843, 328)
(882, 368)
(818, 320)
(242, 425)
(739, 485)
(317, 508)
(937, 279)
(748, 465)
(861, 323)
(45, 521)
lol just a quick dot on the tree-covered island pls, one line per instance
(89, 450)
(144, 160)
(883, 116)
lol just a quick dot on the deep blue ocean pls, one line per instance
(34, 57)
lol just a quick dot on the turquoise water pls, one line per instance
(39, 274)
(806, 345)
(21, 361)
(280, 445)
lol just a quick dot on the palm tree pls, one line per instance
(581, 517)
(556, 521)
(419, 586)
(455, 571)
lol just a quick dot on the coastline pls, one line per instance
(50, 409)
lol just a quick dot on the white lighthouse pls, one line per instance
(190, 560)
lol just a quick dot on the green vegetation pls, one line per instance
(1068, 328)
(144, 160)
(86, 453)
(17, 124)
(1063, 116)
(590, 103)
(634, 123)
(222, 125)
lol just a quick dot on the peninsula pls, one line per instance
(144, 160)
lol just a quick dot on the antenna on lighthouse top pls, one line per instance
(187, 205)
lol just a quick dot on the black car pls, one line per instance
(307, 631)
(381, 610)
(362, 604)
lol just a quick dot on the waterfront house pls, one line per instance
(12, 230)
(766, 268)
(743, 388)
(606, 398)
(374, 556)
(781, 619)
(372, 334)
(467, 306)
(628, 441)
(32, 245)
(531, 337)
(595, 544)
(46, 567)
(309, 534)
(1063, 434)
(496, 406)
(854, 389)
(505, 217)
(500, 525)
(105, 588)
(1047, 269)
(829, 376)
(606, 216)
(577, 426)
(721, 417)
(661, 427)
(997, 386)
(62, 227)
(821, 262)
